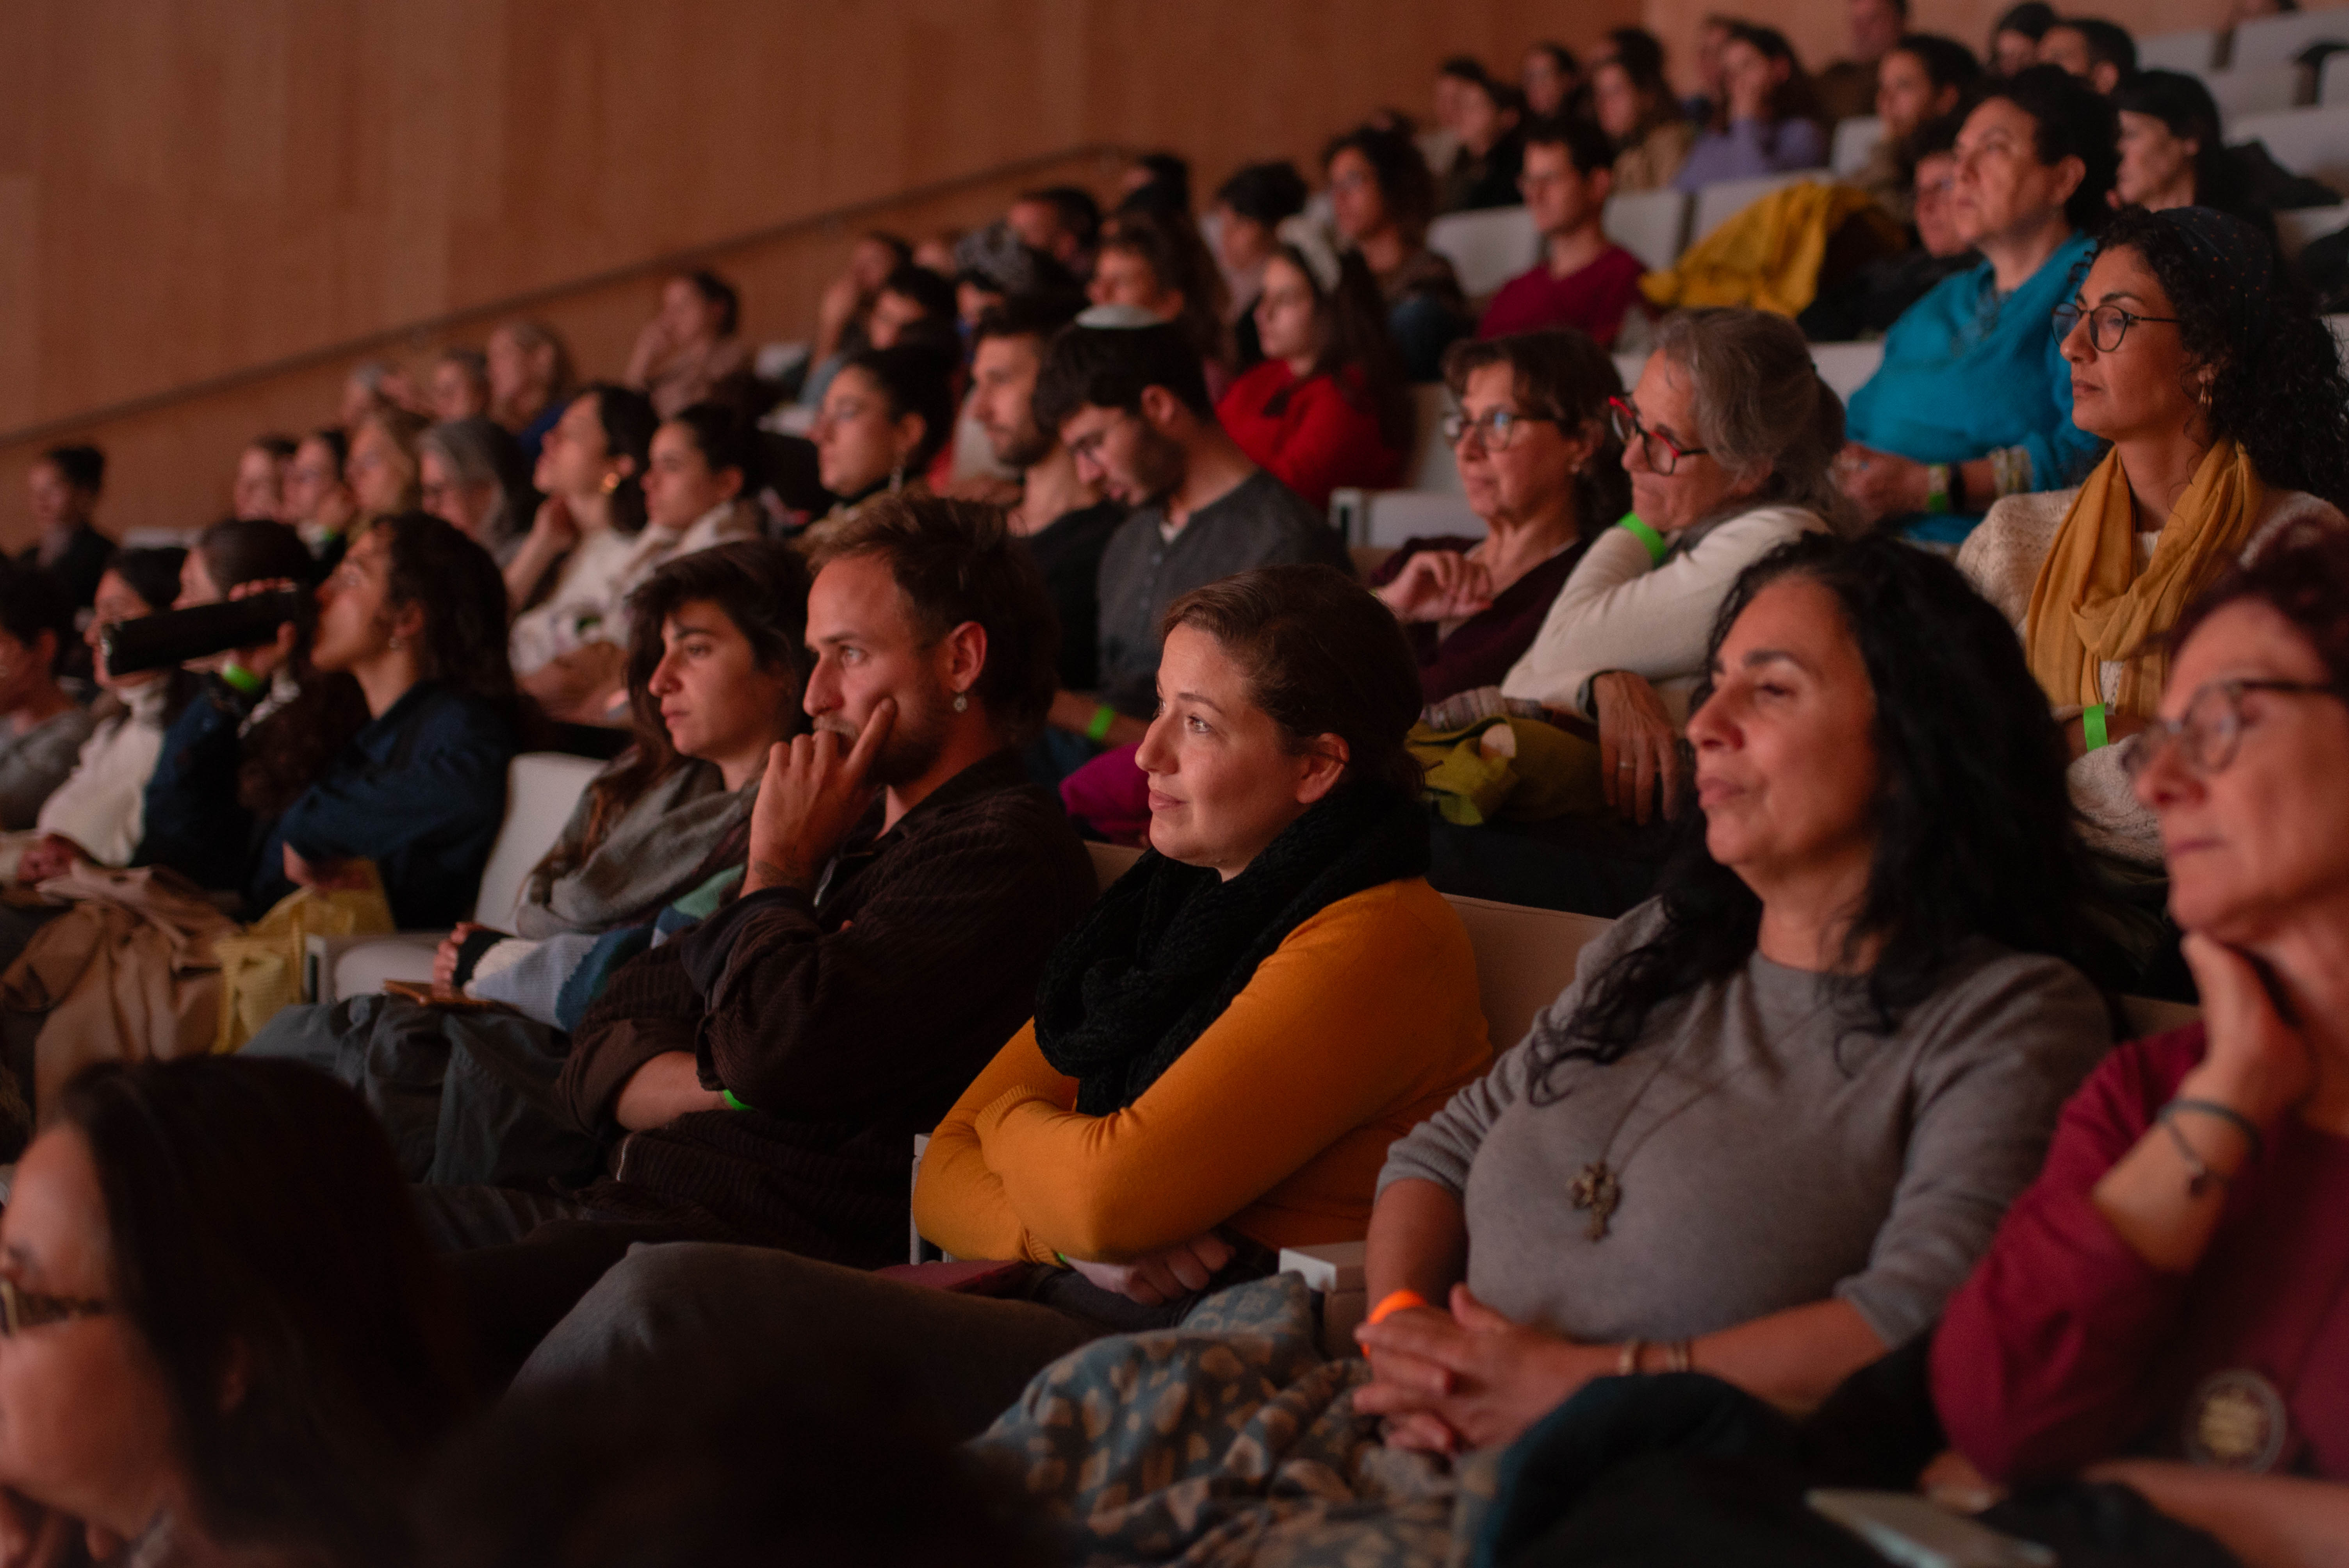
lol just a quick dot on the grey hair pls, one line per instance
(1760, 408)
(468, 449)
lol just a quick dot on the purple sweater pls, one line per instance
(1750, 148)
(1481, 649)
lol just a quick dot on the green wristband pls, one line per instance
(731, 1103)
(1650, 540)
(243, 679)
(1098, 730)
(1937, 487)
(2092, 725)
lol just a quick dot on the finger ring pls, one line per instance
(1623, 768)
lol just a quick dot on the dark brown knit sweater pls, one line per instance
(849, 1021)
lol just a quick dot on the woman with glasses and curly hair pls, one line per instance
(2194, 352)
(2175, 1286)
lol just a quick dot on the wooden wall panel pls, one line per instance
(188, 188)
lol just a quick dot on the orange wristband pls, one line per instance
(1394, 1301)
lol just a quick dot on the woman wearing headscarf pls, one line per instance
(2204, 363)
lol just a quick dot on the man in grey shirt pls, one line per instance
(1127, 396)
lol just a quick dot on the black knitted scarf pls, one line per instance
(1163, 952)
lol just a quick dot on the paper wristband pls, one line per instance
(1394, 1301)
(1104, 716)
(1650, 540)
(731, 1103)
(243, 679)
(2092, 725)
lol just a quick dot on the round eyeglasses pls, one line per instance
(2210, 731)
(1662, 454)
(2107, 323)
(1496, 428)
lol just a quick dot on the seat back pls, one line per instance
(2332, 80)
(1525, 957)
(2195, 50)
(1110, 860)
(541, 789)
(1845, 366)
(1486, 248)
(2254, 90)
(1650, 224)
(1724, 198)
(2274, 40)
(2311, 141)
(1856, 142)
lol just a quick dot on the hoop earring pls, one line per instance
(396, 644)
(898, 477)
(611, 483)
(962, 702)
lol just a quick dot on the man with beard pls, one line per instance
(1125, 394)
(765, 1071)
(1064, 521)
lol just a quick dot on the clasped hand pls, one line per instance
(1439, 585)
(816, 787)
(1469, 1378)
(1159, 1277)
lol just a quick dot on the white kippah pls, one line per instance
(1117, 317)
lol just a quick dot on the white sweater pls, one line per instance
(2001, 558)
(1621, 612)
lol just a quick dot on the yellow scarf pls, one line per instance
(2091, 605)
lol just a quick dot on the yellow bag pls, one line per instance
(1508, 769)
(261, 966)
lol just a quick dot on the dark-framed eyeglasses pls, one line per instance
(2210, 731)
(1661, 452)
(2107, 323)
(21, 1309)
(1496, 428)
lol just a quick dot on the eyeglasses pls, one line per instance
(2107, 323)
(23, 1309)
(1625, 421)
(2210, 731)
(1496, 429)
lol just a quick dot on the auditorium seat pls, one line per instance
(1384, 519)
(541, 789)
(2196, 50)
(1486, 248)
(2275, 40)
(1856, 142)
(2254, 89)
(2311, 141)
(1650, 224)
(1724, 198)
(2333, 85)
(2296, 227)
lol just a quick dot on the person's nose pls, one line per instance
(1156, 752)
(823, 688)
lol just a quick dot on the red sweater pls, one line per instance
(1321, 440)
(1594, 298)
(2067, 1347)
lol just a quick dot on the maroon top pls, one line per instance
(2067, 1347)
(1481, 649)
(1594, 298)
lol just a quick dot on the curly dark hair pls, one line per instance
(2281, 394)
(432, 563)
(1405, 186)
(1561, 374)
(2302, 574)
(1973, 821)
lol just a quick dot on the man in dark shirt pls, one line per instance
(1127, 396)
(767, 1068)
(64, 487)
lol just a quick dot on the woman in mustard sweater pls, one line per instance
(1221, 1053)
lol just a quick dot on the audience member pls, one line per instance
(1728, 439)
(916, 308)
(1156, 261)
(382, 469)
(1220, 1053)
(1484, 173)
(1767, 120)
(1547, 75)
(1583, 280)
(2171, 152)
(262, 728)
(717, 669)
(461, 385)
(2099, 53)
(319, 499)
(259, 489)
(1328, 407)
(591, 469)
(374, 385)
(2196, 355)
(1971, 401)
(42, 729)
(691, 344)
(416, 616)
(226, 1341)
(886, 415)
(1128, 403)
(64, 485)
(1063, 519)
(1847, 89)
(1157, 182)
(1248, 207)
(531, 382)
(1827, 996)
(935, 253)
(2169, 1290)
(843, 313)
(993, 263)
(905, 886)
(1922, 78)
(98, 813)
(1061, 220)
(1867, 303)
(1542, 470)
(470, 475)
(1440, 142)
(1381, 198)
(1713, 36)
(1634, 106)
(2014, 38)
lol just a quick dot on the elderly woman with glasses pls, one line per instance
(1728, 439)
(2176, 1285)
(1542, 468)
(2197, 355)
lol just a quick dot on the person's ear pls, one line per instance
(2105, 75)
(2068, 172)
(1945, 101)
(1599, 184)
(911, 429)
(237, 1376)
(1177, 301)
(962, 658)
(729, 483)
(1160, 409)
(43, 649)
(1320, 768)
(408, 622)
